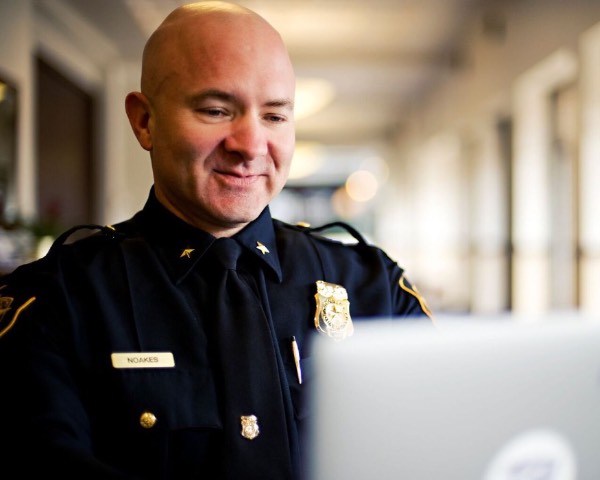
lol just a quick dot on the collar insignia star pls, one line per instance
(187, 252)
(262, 248)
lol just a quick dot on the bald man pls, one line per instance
(216, 113)
(176, 344)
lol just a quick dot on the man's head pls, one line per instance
(215, 112)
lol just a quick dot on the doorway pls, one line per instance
(65, 155)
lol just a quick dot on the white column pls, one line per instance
(589, 180)
(531, 194)
(441, 227)
(489, 207)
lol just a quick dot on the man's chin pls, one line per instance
(234, 216)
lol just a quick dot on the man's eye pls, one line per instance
(275, 118)
(214, 112)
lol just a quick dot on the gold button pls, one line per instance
(147, 419)
(303, 224)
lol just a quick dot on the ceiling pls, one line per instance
(380, 55)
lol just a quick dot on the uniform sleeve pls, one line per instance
(44, 424)
(408, 301)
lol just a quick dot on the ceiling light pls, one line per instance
(312, 95)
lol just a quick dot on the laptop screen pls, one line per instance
(468, 399)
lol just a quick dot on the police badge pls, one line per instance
(332, 316)
(249, 427)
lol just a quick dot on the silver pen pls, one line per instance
(296, 353)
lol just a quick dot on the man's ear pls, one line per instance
(137, 107)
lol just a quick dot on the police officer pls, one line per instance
(176, 344)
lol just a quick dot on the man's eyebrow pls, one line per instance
(212, 93)
(229, 97)
(281, 103)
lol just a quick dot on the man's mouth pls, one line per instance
(237, 178)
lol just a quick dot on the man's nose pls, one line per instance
(248, 137)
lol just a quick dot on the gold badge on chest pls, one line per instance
(332, 316)
(250, 428)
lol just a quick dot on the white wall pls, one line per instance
(467, 270)
(49, 29)
(484, 81)
(16, 44)
(90, 58)
(127, 166)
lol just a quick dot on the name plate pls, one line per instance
(143, 360)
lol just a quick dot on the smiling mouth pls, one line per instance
(238, 179)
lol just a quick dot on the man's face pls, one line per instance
(222, 129)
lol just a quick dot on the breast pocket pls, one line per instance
(300, 392)
(169, 398)
(156, 420)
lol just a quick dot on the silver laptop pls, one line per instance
(469, 399)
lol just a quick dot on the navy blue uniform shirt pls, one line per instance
(145, 285)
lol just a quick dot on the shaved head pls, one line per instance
(197, 29)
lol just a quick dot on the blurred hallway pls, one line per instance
(481, 179)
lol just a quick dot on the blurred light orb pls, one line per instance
(361, 186)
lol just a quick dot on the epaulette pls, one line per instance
(328, 226)
(107, 231)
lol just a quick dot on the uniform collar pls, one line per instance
(181, 245)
